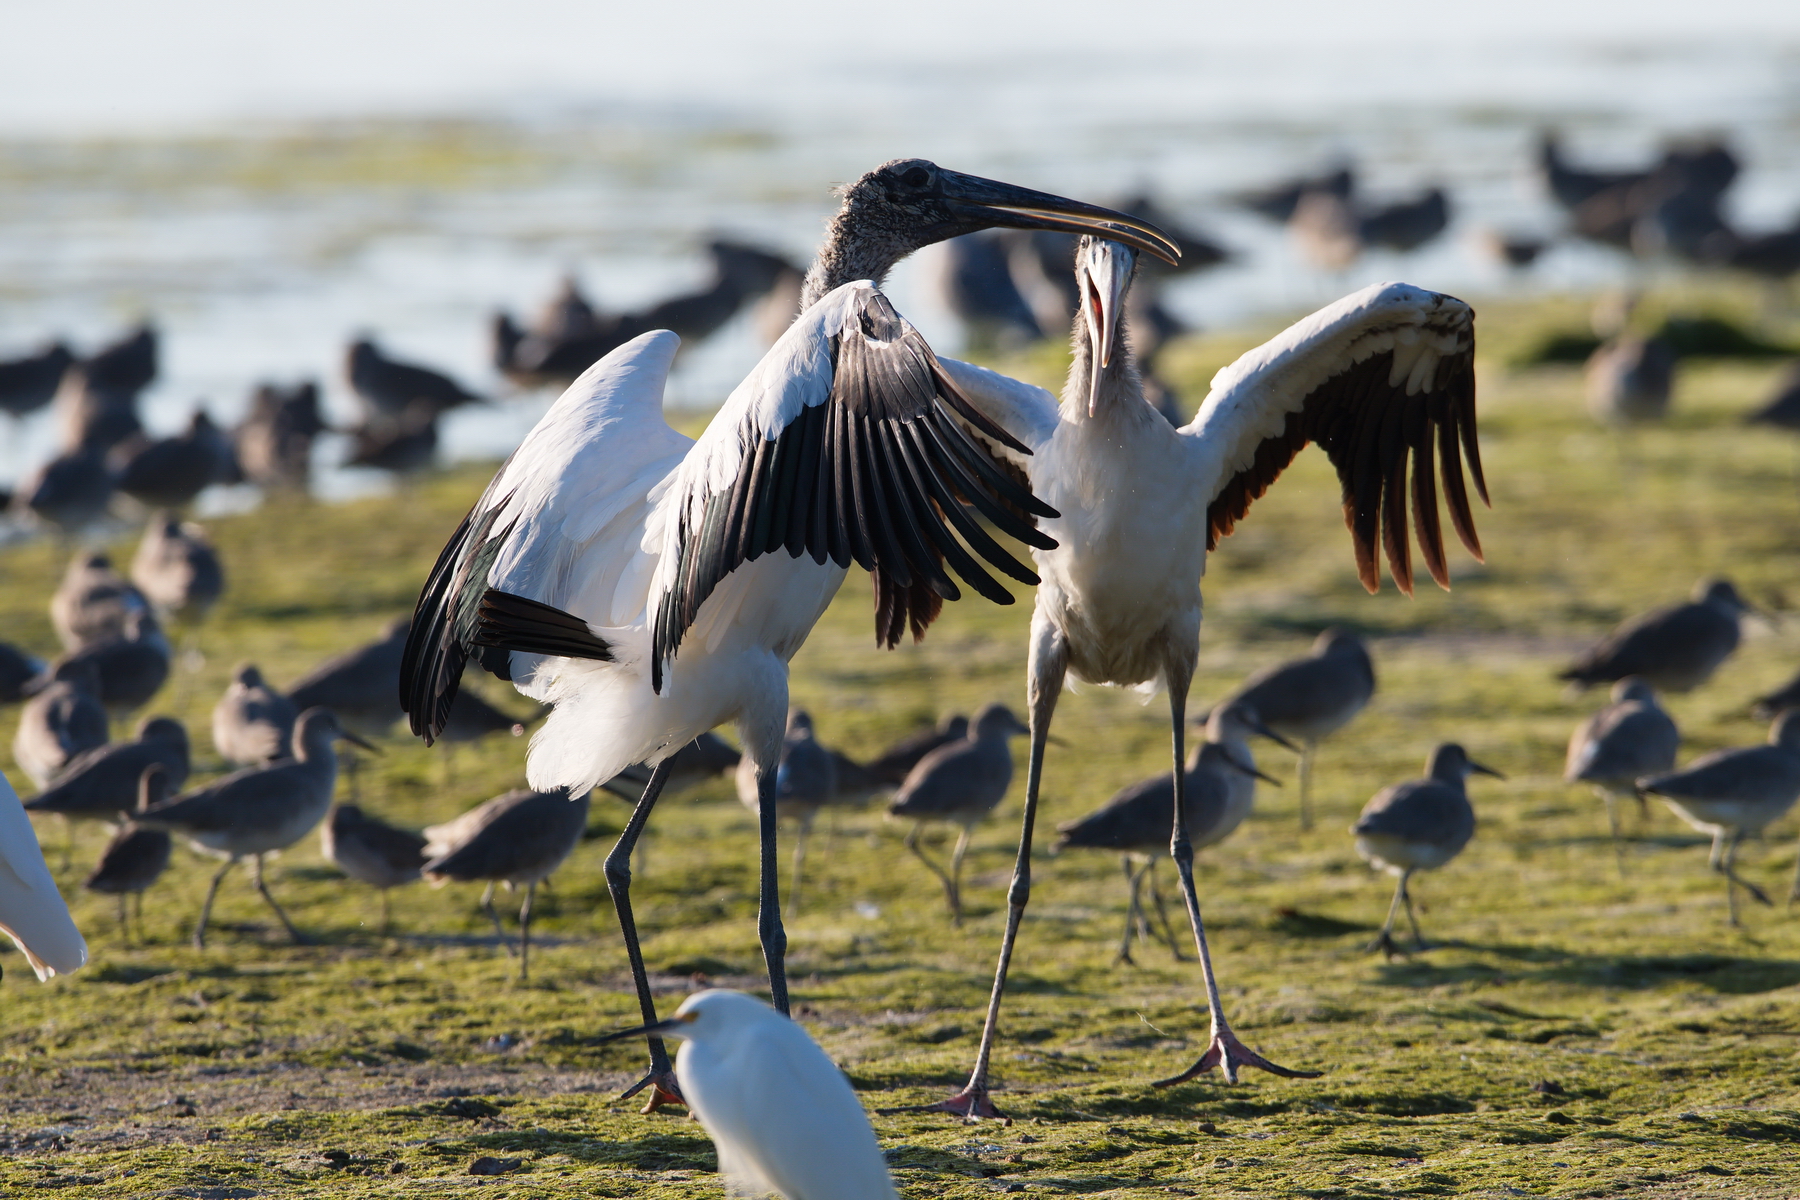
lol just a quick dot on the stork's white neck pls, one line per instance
(1121, 391)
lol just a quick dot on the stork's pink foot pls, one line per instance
(1228, 1054)
(971, 1104)
(663, 1090)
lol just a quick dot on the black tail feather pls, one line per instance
(514, 623)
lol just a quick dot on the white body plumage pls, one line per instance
(32, 912)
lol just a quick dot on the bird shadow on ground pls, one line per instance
(1726, 974)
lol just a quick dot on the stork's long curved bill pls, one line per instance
(1006, 204)
(1104, 273)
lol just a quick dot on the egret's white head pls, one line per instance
(716, 1014)
(1103, 273)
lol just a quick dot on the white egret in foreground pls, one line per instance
(32, 912)
(779, 1111)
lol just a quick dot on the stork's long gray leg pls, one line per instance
(1223, 1049)
(661, 1079)
(487, 906)
(769, 929)
(262, 889)
(124, 923)
(1044, 682)
(206, 908)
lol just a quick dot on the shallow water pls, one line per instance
(261, 244)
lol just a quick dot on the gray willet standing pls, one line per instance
(1628, 739)
(132, 666)
(102, 784)
(1673, 649)
(372, 851)
(1418, 825)
(61, 720)
(255, 811)
(178, 569)
(960, 783)
(92, 602)
(1731, 793)
(1220, 790)
(1309, 699)
(516, 838)
(136, 857)
(252, 724)
(897, 761)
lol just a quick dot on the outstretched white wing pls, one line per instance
(1383, 376)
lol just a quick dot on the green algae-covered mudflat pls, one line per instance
(1574, 1033)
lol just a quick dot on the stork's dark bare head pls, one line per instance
(909, 203)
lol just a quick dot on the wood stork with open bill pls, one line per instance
(651, 587)
(1380, 377)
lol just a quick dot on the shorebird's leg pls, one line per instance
(1044, 681)
(1223, 1049)
(956, 862)
(124, 923)
(262, 889)
(912, 843)
(206, 908)
(1308, 749)
(525, 933)
(1406, 895)
(806, 823)
(661, 1079)
(1727, 866)
(1134, 876)
(1612, 820)
(1794, 892)
(1384, 941)
(1162, 915)
(487, 906)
